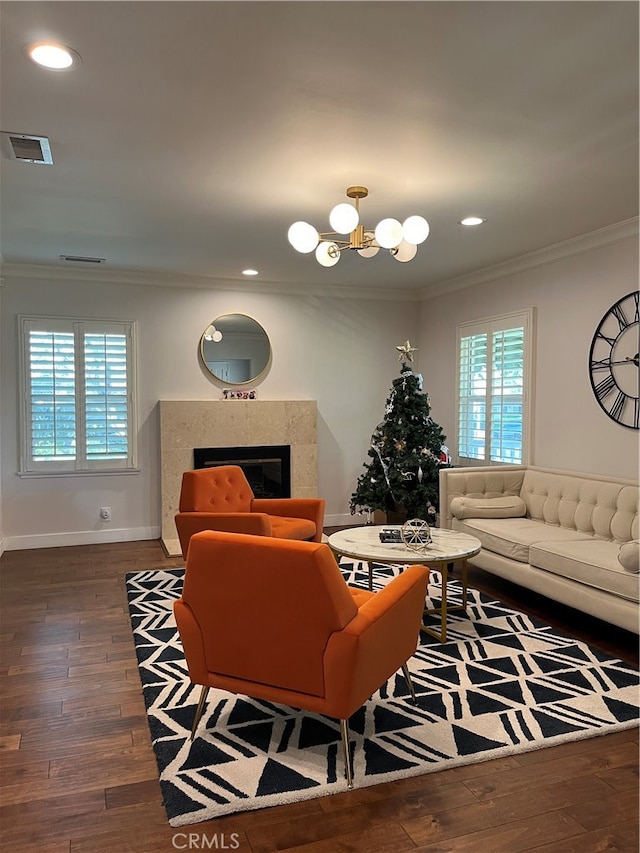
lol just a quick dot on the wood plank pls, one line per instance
(549, 772)
(383, 838)
(606, 811)
(512, 837)
(470, 819)
(623, 838)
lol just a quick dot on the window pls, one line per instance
(494, 389)
(78, 411)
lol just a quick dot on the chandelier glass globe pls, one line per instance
(344, 218)
(388, 233)
(327, 254)
(370, 248)
(303, 237)
(405, 252)
(415, 230)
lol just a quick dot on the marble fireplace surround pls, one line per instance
(185, 424)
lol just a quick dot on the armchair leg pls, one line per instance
(199, 710)
(344, 731)
(407, 678)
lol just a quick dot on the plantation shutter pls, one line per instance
(52, 413)
(472, 392)
(507, 391)
(494, 382)
(106, 396)
(78, 406)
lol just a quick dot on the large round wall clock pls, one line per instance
(614, 362)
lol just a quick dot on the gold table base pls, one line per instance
(444, 607)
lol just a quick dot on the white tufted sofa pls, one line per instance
(556, 532)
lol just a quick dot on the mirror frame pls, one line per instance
(259, 329)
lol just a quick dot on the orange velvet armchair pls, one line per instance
(323, 646)
(221, 498)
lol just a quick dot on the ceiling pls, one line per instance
(194, 133)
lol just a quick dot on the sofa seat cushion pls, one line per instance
(512, 537)
(291, 528)
(593, 562)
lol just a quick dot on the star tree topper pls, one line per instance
(405, 352)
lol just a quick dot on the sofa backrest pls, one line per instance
(603, 509)
(481, 482)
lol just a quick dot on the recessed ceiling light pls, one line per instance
(472, 220)
(56, 57)
(249, 272)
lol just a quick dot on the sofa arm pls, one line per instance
(491, 481)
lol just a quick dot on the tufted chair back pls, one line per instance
(219, 489)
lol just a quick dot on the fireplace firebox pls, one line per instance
(267, 468)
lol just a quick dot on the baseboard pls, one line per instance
(80, 537)
(96, 537)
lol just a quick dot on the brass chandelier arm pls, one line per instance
(358, 239)
(330, 236)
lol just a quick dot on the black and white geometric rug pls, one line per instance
(503, 683)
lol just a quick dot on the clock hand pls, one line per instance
(628, 360)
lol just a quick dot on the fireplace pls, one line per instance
(267, 468)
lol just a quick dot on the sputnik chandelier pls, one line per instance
(401, 239)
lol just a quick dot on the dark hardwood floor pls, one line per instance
(78, 773)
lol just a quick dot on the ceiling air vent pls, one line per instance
(28, 148)
(78, 259)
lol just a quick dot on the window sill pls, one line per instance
(89, 472)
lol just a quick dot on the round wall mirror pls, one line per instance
(235, 349)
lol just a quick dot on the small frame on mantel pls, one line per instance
(239, 394)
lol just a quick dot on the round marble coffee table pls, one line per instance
(446, 548)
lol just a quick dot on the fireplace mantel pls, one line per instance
(185, 424)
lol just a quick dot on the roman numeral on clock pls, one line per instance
(605, 387)
(610, 341)
(620, 316)
(616, 410)
(601, 364)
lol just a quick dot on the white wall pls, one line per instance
(570, 297)
(339, 352)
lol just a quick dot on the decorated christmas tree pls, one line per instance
(406, 452)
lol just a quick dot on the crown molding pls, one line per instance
(576, 245)
(606, 236)
(55, 273)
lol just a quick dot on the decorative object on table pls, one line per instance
(401, 239)
(405, 453)
(504, 684)
(390, 534)
(416, 535)
(614, 362)
(239, 394)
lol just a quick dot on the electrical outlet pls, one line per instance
(105, 513)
